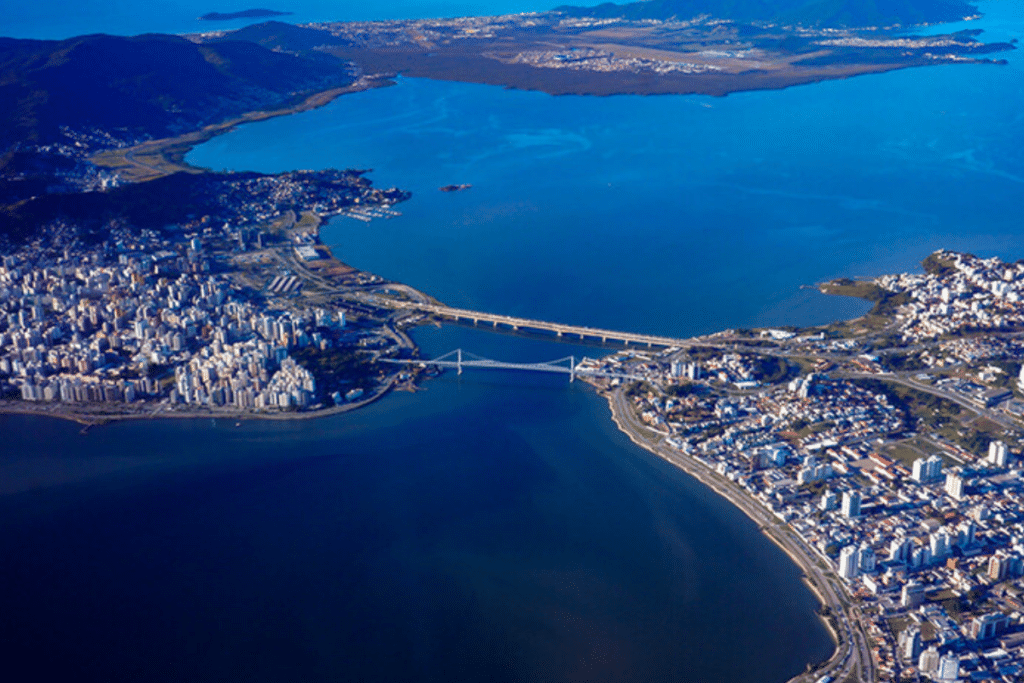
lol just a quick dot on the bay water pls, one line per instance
(497, 526)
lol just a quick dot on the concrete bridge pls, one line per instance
(560, 330)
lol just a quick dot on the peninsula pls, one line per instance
(560, 53)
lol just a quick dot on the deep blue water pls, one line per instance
(676, 215)
(497, 526)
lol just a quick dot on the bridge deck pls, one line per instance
(572, 369)
(558, 328)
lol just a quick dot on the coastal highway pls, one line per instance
(852, 659)
(905, 379)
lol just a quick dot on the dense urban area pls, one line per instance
(209, 315)
(888, 449)
(888, 446)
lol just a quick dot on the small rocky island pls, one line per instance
(243, 14)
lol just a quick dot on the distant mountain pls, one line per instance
(277, 35)
(806, 12)
(150, 84)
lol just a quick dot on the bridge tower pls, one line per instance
(572, 368)
(459, 362)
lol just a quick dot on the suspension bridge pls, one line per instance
(459, 359)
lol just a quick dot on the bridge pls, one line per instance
(567, 366)
(560, 330)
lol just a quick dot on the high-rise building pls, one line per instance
(918, 471)
(998, 454)
(965, 534)
(955, 484)
(912, 596)
(949, 668)
(997, 567)
(921, 557)
(928, 662)
(910, 643)
(933, 468)
(898, 549)
(851, 504)
(988, 626)
(867, 559)
(939, 545)
(849, 562)
(828, 501)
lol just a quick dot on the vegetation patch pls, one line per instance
(338, 369)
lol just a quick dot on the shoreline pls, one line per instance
(88, 421)
(165, 156)
(850, 641)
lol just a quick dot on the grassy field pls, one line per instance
(157, 158)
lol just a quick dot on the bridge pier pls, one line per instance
(561, 331)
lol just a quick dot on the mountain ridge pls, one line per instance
(148, 85)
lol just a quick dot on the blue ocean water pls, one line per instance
(675, 215)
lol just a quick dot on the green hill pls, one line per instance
(151, 84)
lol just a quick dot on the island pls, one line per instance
(455, 188)
(563, 54)
(883, 454)
(243, 14)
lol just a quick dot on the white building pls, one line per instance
(939, 545)
(910, 643)
(997, 452)
(928, 662)
(851, 504)
(849, 562)
(949, 668)
(955, 485)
